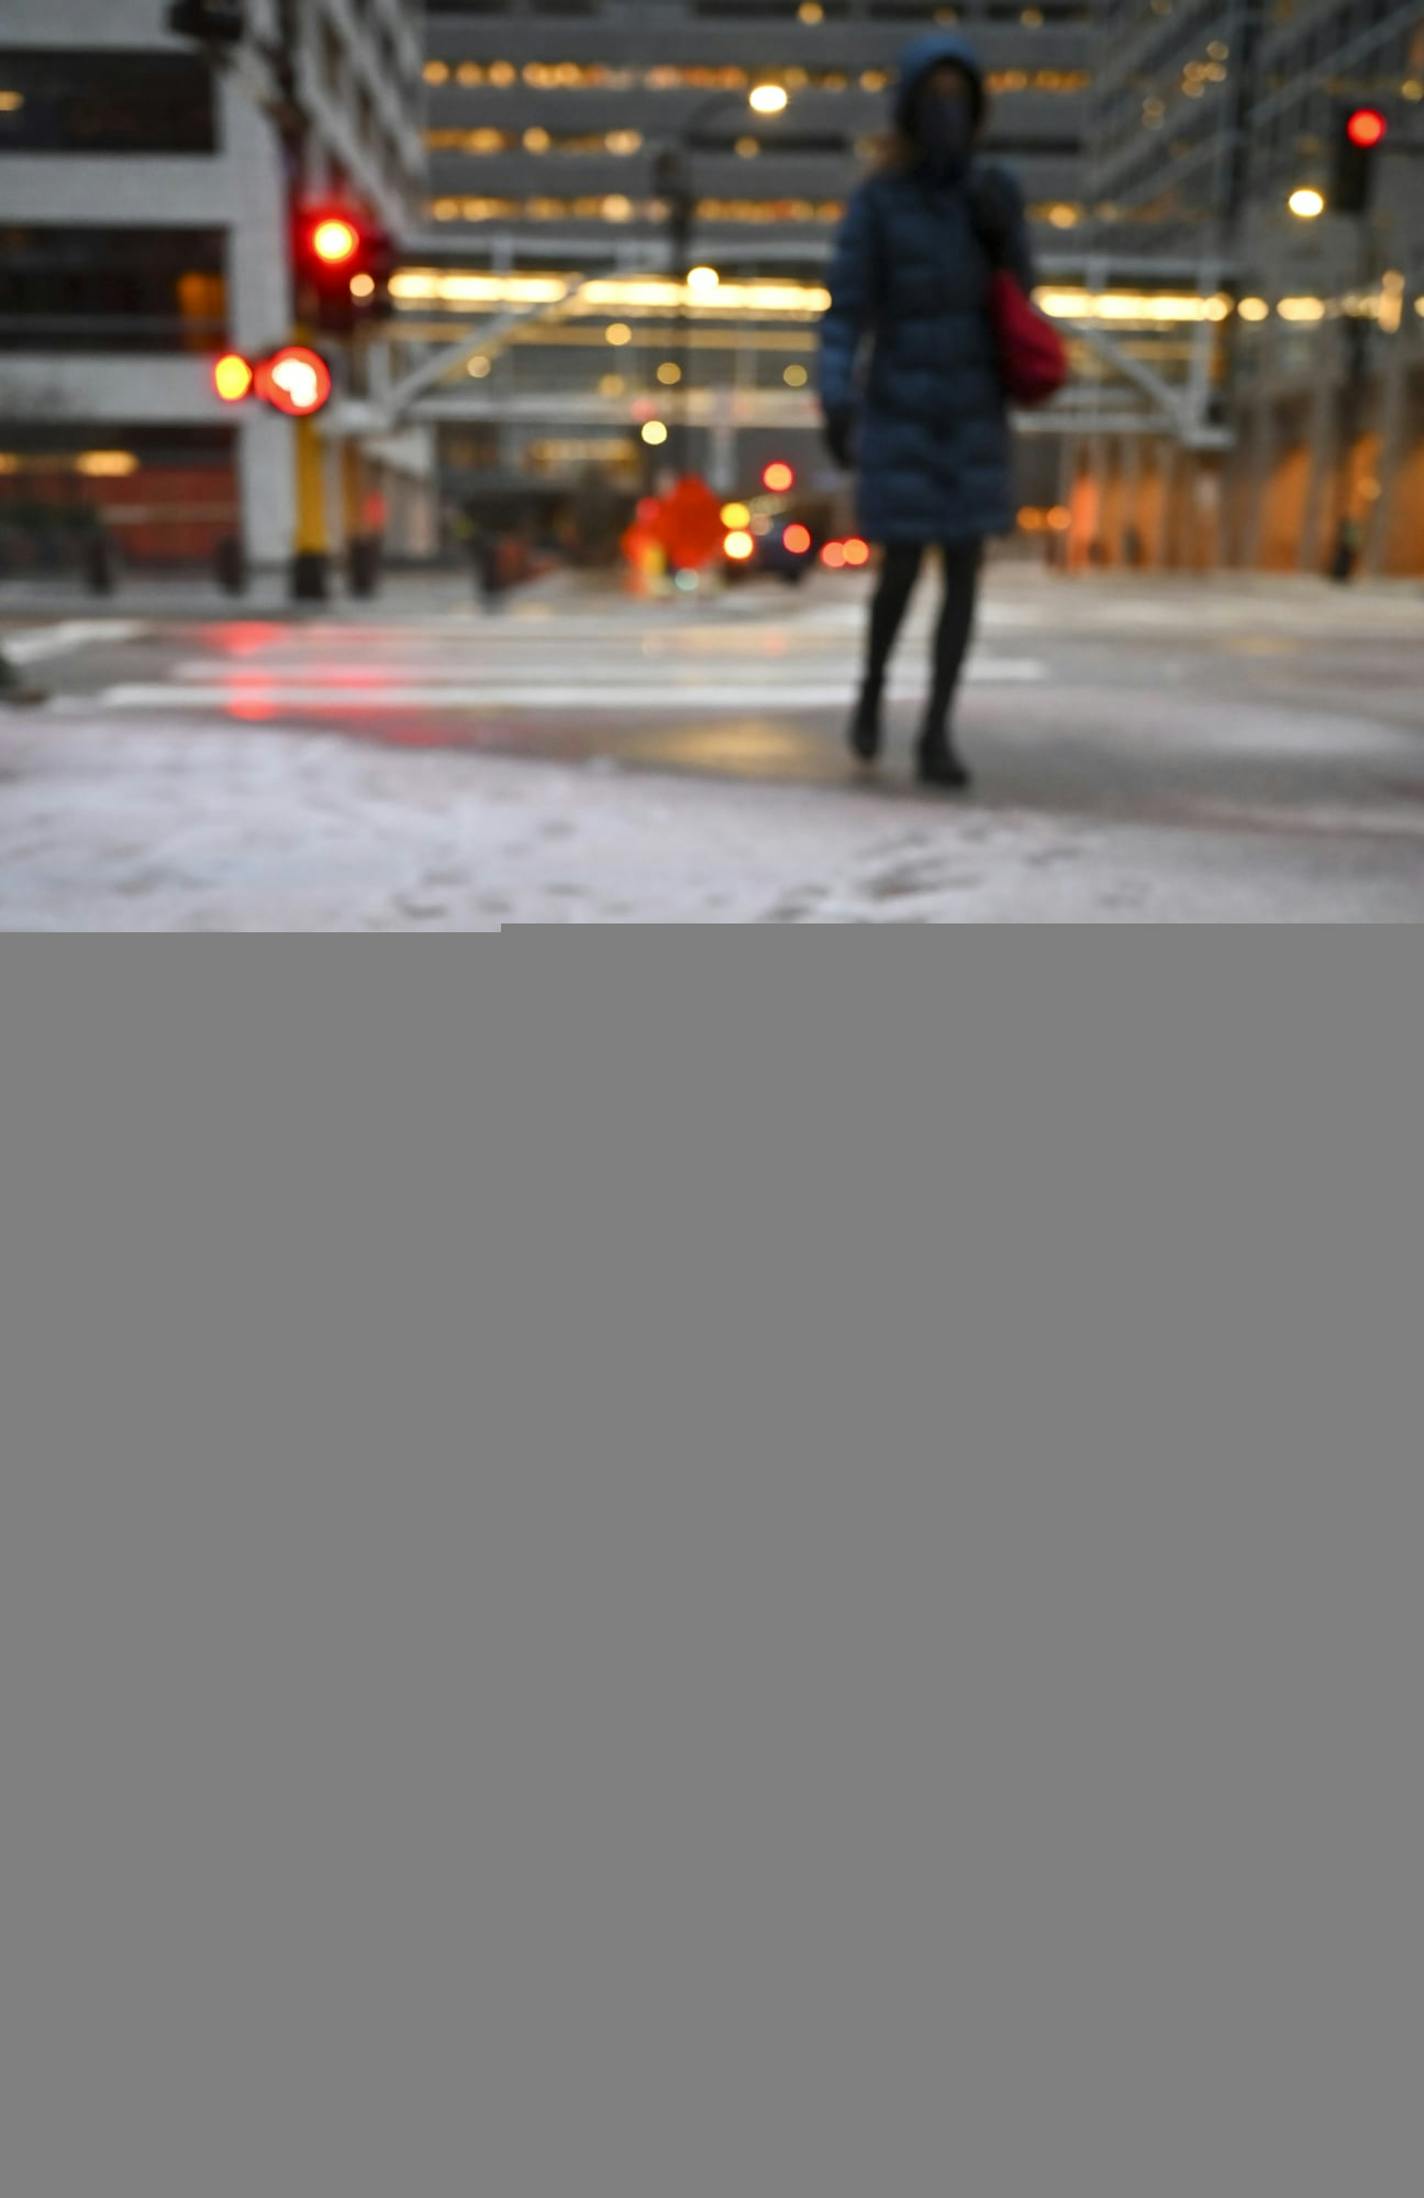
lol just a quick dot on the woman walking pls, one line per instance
(926, 423)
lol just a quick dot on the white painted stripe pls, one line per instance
(615, 667)
(67, 637)
(532, 695)
(751, 681)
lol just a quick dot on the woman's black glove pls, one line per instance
(840, 434)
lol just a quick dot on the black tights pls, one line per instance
(900, 571)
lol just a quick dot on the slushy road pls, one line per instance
(1230, 750)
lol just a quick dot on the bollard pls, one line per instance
(230, 566)
(311, 577)
(101, 565)
(15, 691)
(1346, 558)
(363, 565)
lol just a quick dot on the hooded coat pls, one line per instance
(911, 272)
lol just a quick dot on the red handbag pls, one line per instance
(1033, 358)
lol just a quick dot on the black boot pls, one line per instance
(866, 733)
(940, 763)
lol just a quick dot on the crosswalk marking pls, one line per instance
(67, 636)
(457, 691)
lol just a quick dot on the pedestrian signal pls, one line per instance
(294, 381)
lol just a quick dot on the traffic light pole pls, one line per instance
(310, 577)
(674, 184)
(220, 28)
(1346, 533)
(1345, 529)
(311, 553)
(1246, 34)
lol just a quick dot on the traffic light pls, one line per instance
(211, 22)
(1360, 133)
(344, 264)
(371, 281)
(233, 377)
(328, 255)
(295, 381)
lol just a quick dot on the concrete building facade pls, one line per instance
(544, 128)
(144, 209)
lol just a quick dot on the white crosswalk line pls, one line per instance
(462, 693)
(635, 662)
(67, 637)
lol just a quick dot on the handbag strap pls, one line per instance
(995, 233)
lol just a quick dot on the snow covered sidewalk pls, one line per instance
(192, 826)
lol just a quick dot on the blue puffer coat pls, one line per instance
(911, 271)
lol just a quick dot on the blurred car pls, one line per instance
(784, 549)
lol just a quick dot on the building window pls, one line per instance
(563, 76)
(128, 290)
(76, 102)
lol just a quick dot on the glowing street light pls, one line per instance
(1306, 203)
(768, 99)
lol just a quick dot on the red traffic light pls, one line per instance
(233, 377)
(344, 260)
(333, 244)
(295, 381)
(335, 241)
(779, 477)
(1367, 128)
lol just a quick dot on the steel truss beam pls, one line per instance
(1179, 412)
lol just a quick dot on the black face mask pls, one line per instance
(944, 131)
